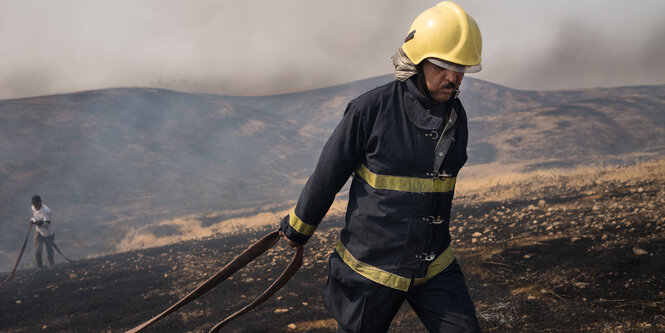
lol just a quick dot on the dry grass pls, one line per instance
(515, 185)
(508, 186)
(191, 227)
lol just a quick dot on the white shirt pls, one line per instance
(43, 214)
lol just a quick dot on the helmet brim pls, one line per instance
(455, 67)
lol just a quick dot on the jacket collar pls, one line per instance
(422, 112)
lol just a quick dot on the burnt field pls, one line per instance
(547, 252)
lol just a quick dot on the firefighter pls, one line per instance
(404, 144)
(41, 218)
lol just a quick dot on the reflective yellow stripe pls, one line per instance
(406, 184)
(389, 279)
(373, 273)
(437, 266)
(300, 226)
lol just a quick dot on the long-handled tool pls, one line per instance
(251, 253)
(20, 254)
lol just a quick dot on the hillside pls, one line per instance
(534, 129)
(107, 160)
(553, 250)
(573, 133)
(132, 167)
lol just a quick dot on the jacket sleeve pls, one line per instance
(340, 157)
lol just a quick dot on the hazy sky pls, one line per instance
(250, 47)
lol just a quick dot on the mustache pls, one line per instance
(450, 85)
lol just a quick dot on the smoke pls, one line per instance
(583, 55)
(260, 47)
(228, 47)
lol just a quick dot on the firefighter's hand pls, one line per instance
(291, 243)
(33, 221)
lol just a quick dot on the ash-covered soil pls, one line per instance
(573, 256)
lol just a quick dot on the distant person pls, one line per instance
(404, 143)
(41, 218)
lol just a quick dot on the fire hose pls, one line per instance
(251, 253)
(20, 254)
(58, 249)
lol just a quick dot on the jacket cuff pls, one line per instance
(291, 233)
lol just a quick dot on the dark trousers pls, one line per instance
(39, 242)
(443, 303)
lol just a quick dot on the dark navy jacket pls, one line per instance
(398, 214)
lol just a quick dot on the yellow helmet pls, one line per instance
(447, 36)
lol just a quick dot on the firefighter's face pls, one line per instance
(441, 82)
(37, 205)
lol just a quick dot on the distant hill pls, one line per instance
(109, 162)
(533, 128)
